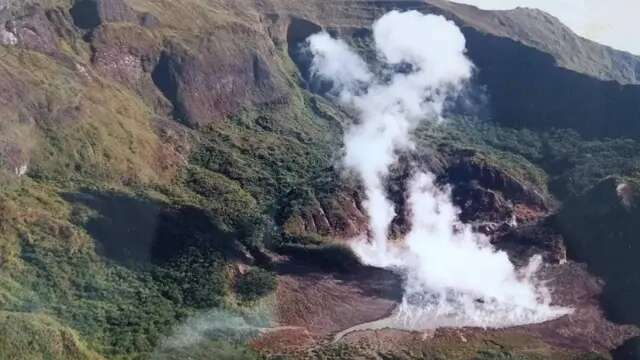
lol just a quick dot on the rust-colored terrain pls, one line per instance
(163, 158)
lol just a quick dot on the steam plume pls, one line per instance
(454, 275)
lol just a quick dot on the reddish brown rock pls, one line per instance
(338, 216)
(123, 53)
(215, 81)
(325, 303)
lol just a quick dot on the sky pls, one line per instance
(611, 22)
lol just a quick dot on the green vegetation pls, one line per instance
(558, 160)
(127, 225)
(208, 349)
(255, 284)
(123, 227)
(53, 262)
(82, 261)
(228, 201)
(214, 334)
(37, 336)
(294, 152)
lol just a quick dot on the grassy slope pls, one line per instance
(95, 134)
(91, 135)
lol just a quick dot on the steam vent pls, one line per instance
(318, 179)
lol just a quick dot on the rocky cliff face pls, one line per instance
(137, 133)
(536, 71)
(600, 228)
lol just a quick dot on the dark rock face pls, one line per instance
(527, 88)
(529, 27)
(297, 33)
(538, 237)
(208, 86)
(487, 193)
(339, 216)
(85, 14)
(159, 234)
(541, 75)
(539, 30)
(630, 350)
(166, 80)
(538, 73)
(601, 228)
(89, 14)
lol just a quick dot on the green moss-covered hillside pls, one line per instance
(152, 154)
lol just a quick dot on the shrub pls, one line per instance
(199, 277)
(255, 284)
(234, 209)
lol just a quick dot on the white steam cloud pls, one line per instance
(455, 277)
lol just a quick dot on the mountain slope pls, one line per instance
(540, 30)
(155, 154)
(536, 72)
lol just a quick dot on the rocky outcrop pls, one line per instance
(30, 29)
(560, 79)
(196, 81)
(600, 228)
(487, 193)
(216, 81)
(8, 37)
(124, 54)
(488, 197)
(89, 14)
(524, 241)
(128, 55)
(338, 216)
(527, 89)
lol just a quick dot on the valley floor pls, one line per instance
(314, 306)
